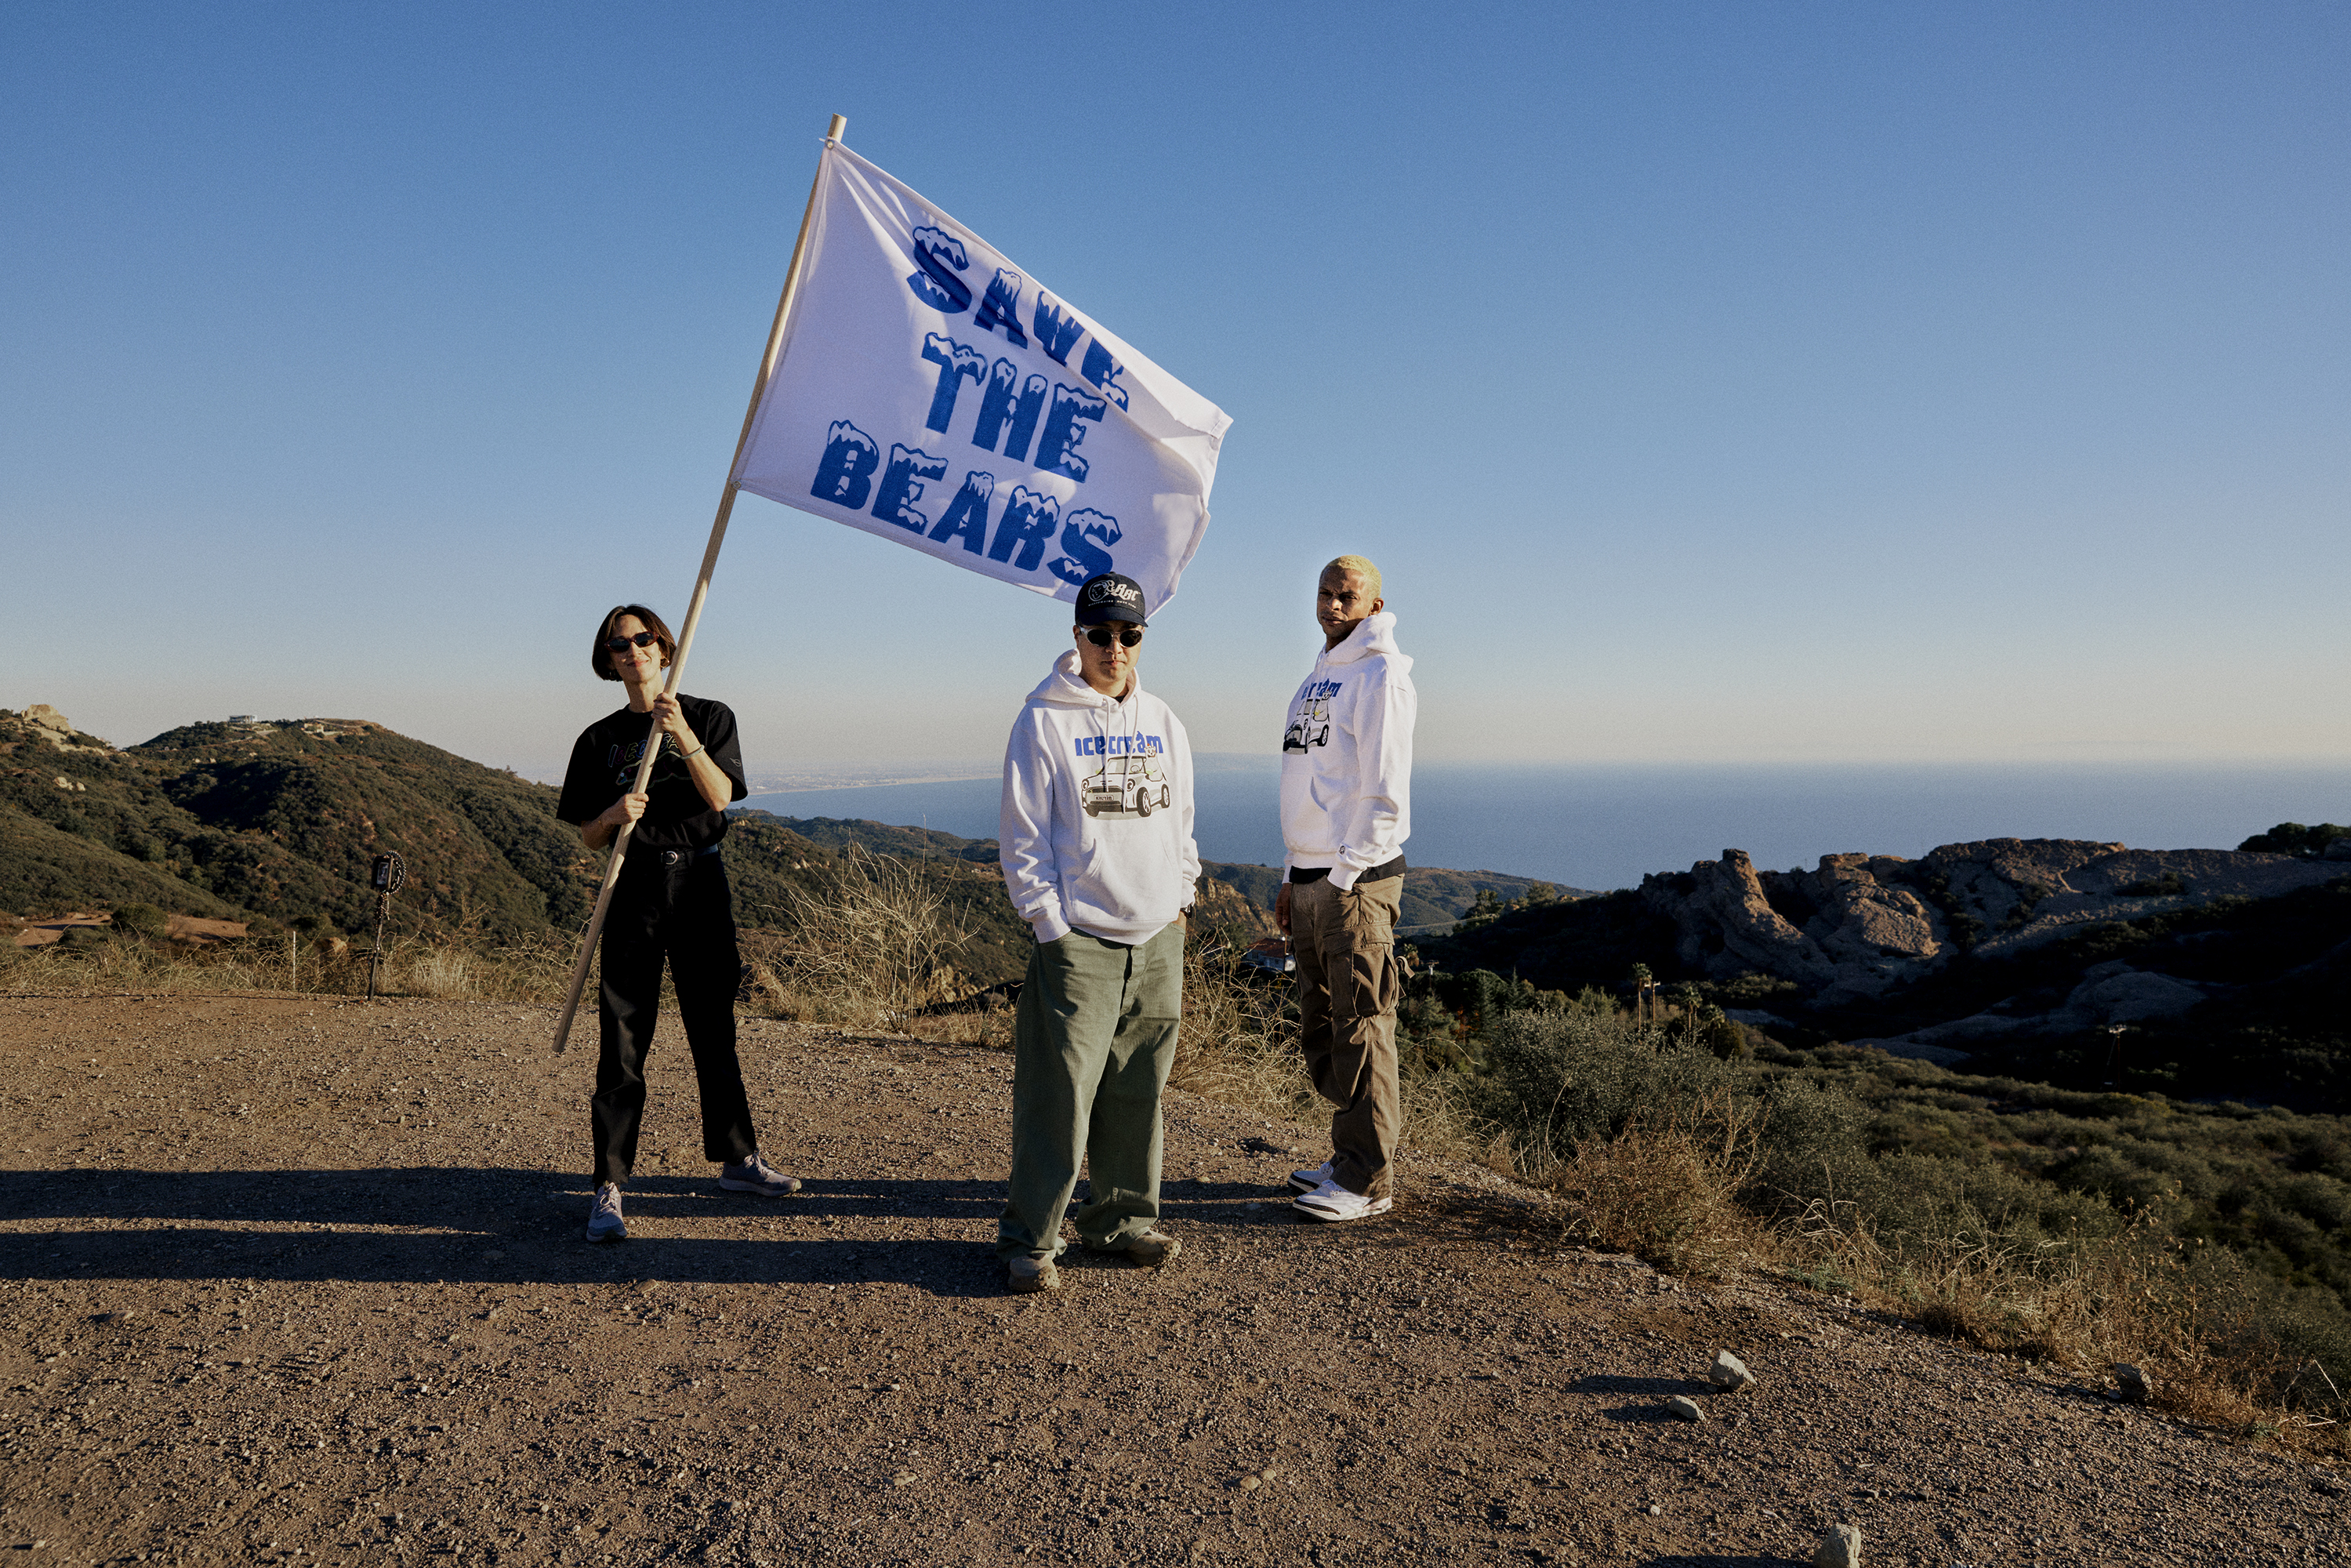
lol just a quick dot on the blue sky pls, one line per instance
(1744, 382)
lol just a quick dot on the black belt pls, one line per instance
(1375, 873)
(671, 857)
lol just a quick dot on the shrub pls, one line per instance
(143, 918)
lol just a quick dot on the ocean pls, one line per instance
(1602, 827)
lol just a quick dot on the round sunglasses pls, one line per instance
(1100, 636)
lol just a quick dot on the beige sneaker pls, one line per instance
(1150, 1248)
(1031, 1276)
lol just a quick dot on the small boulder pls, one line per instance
(1840, 1548)
(1684, 1408)
(1728, 1372)
(2132, 1385)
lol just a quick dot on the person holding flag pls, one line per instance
(672, 903)
(1098, 855)
(1346, 811)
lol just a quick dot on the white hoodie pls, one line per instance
(1346, 757)
(1095, 833)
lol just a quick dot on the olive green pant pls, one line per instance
(1345, 945)
(1093, 1040)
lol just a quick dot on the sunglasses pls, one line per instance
(642, 640)
(1100, 636)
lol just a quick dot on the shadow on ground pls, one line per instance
(506, 1225)
(1658, 1387)
(488, 1225)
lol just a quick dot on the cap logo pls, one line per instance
(1113, 593)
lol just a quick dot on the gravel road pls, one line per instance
(299, 1280)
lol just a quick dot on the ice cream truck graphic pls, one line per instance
(1127, 787)
(1310, 727)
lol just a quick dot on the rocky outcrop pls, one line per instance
(1858, 925)
(46, 726)
(1849, 929)
(1729, 927)
(2109, 993)
(2116, 993)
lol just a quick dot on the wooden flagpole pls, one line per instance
(693, 605)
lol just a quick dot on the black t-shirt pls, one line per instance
(604, 765)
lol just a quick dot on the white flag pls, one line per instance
(930, 392)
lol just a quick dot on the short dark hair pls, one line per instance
(601, 658)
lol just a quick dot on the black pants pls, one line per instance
(673, 904)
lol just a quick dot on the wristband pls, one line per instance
(690, 755)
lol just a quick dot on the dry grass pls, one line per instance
(2090, 1304)
(1653, 1146)
(1666, 1186)
(868, 950)
(1239, 1045)
(443, 965)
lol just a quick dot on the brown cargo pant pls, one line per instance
(1344, 943)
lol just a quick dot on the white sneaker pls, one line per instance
(1307, 1181)
(1331, 1201)
(604, 1221)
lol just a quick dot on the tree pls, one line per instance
(2293, 839)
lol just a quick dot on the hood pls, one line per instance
(1375, 634)
(1063, 686)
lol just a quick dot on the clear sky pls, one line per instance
(1741, 382)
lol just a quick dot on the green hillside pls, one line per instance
(280, 821)
(46, 869)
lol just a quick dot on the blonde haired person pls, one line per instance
(1346, 811)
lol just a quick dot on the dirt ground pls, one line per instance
(300, 1281)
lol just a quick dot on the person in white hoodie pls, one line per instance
(1346, 811)
(1098, 854)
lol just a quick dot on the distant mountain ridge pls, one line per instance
(1432, 895)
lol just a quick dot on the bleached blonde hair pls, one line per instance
(1357, 564)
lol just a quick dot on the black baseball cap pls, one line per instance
(1110, 597)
